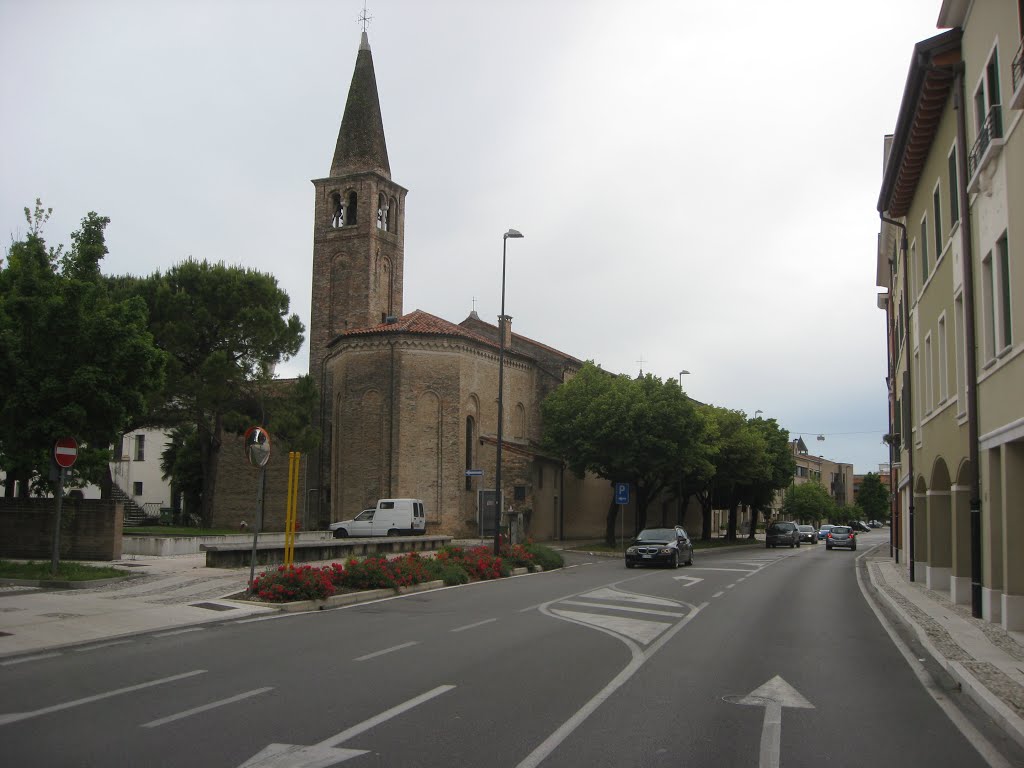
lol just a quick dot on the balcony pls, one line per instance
(986, 149)
(1017, 101)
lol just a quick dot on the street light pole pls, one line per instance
(502, 322)
(681, 374)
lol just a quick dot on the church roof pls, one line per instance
(420, 322)
(361, 146)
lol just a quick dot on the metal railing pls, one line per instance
(992, 129)
(1017, 68)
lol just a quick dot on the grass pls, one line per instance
(600, 546)
(65, 571)
(178, 530)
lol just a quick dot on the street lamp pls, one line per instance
(757, 413)
(681, 374)
(502, 323)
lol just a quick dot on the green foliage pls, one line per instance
(75, 359)
(873, 497)
(547, 558)
(809, 503)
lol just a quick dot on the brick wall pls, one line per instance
(90, 529)
(237, 485)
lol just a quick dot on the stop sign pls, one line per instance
(65, 451)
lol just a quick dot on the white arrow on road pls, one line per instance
(327, 753)
(692, 579)
(773, 696)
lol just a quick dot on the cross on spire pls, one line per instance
(641, 361)
(364, 18)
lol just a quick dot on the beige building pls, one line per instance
(952, 203)
(836, 477)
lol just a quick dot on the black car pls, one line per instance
(808, 533)
(785, 533)
(660, 546)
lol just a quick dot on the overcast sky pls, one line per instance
(696, 182)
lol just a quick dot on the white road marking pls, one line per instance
(692, 579)
(773, 696)
(16, 716)
(473, 626)
(606, 593)
(23, 659)
(718, 594)
(393, 648)
(635, 629)
(741, 570)
(383, 717)
(204, 708)
(179, 632)
(729, 586)
(630, 608)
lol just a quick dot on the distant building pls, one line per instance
(835, 476)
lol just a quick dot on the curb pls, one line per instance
(55, 584)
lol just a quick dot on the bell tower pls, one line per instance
(358, 243)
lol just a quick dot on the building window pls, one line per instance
(961, 358)
(140, 447)
(470, 442)
(1003, 265)
(941, 360)
(937, 222)
(924, 250)
(910, 265)
(136, 489)
(520, 493)
(382, 212)
(954, 191)
(927, 385)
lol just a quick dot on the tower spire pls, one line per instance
(361, 146)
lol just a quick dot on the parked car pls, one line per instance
(391, 517)
(860, 525)
(841, 536)
(782, 533)
(823, 531)
(807, 533)
(660, 546)
(874, 524)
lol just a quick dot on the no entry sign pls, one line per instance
(65, 451)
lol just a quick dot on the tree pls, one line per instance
(873, 497)
(643, 431)
(808, 503)
(224, 329)
(74, 360)
(778, 469)
(741, 460)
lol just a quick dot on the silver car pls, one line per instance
(841, 536)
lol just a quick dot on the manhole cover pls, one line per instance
(213, 606)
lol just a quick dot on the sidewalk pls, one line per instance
(983, 658)
(169, 593)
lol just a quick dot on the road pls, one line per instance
(751, 657)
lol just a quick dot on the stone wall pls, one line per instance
(90, 529)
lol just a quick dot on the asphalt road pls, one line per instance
(752, 657)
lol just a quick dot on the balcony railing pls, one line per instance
(992, 129)
(1017, 68)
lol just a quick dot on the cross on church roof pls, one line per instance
(364, 18)
(641, 361)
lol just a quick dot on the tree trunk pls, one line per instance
(753, 523)
(609, 528)
(705, 516)
(209, 446)
(730, 532)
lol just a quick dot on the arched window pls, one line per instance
(337, 211)
(470, 432)
(350, 209)
(392, 215)
(382, 212)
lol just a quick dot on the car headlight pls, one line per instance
(631, 551)
(665, 550)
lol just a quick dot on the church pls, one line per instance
(409, 401)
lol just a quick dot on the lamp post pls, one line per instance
(681, 374)
(757, 413)
(502, 322)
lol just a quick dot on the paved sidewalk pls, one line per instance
(983, 658)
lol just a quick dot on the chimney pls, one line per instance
(505, 329)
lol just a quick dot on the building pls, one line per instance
(409, 401)
(836, 477)
(949, 264)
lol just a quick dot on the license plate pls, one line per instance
(646, 557)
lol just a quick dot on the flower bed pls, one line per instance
(452, 565)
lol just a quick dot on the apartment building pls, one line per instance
(835, 476)
(949, 263)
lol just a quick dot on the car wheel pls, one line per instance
(689, 560)
(827, 546)
(853, 549)
(767, 545)
(798, 545)
(630, 565)
(340, 533)
(675, 560)
(393, 532)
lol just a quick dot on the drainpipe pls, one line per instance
(906, 430)
(970, 340)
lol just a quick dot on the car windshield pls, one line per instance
(806, 528)
(781, 528)
(656, 534)
(827, 527)
(840, 529)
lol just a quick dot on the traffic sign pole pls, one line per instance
(65, 452)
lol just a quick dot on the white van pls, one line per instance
(391, 517)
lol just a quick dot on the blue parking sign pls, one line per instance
(622, 493)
